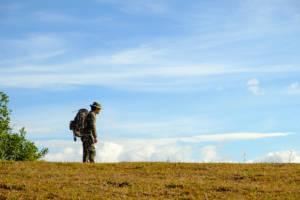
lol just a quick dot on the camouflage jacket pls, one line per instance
(90, 126)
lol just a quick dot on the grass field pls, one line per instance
(148, 180)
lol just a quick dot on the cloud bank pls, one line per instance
(278, 157)
(174, 149)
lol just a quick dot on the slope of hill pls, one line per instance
(148, 180)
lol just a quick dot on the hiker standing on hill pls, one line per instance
(90, 134)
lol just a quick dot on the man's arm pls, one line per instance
(93, 127)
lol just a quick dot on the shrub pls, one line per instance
(14, 146)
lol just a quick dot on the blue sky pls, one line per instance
(206, 80)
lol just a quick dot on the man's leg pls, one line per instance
(85, 146)
(92, 153)
(83, 155)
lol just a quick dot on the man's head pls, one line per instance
(96, 107)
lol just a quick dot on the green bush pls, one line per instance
(14, 146)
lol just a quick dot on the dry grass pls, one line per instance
(151, 180)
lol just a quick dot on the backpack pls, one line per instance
(78, 124)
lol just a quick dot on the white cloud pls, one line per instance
(154, 66)
(69, 150)
(210, 154)
(110, 152)
(125, 149)
(294, 85)
(30, 128)
(220, 88)
(232, 136)
(175, 153)
(140, 55)
(62, 150)
(148, 78)
(255, 89)
(33, 128)
(128, 142)
(254, 86)
(253, 82)
(67, 154)
(172, 126)
(278, 157)
(113, 152)
(35, 43)
(21, 55)
(293, 89)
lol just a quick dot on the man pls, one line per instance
(90, 134)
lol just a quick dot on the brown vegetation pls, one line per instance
(148, 180)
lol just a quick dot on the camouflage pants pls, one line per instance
(89, 150)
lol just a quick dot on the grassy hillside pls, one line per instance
(151, 180)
